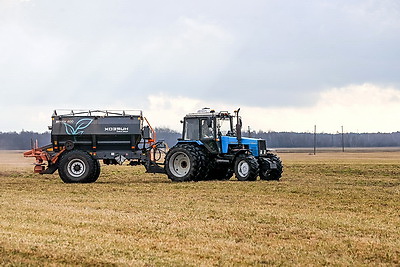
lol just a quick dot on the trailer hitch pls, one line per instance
(43, 159)
(155, 153)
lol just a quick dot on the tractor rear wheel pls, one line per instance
(271, 168)
(246, 168)
(185, 162)
(77, 167)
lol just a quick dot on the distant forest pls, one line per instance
(22, 140)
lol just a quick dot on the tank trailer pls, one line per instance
(211, 147)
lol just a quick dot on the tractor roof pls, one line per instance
(206, 112)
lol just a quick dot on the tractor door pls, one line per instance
(202, 129)
(208, 134)
(224, 128)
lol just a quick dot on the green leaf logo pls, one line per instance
(79, 126)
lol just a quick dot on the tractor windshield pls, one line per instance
(224, 126)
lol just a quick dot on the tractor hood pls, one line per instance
(257, 147)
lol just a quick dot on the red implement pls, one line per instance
(43, 159)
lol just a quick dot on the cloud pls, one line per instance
(188, 53)
(192, 47)
(359, 108)
(276, 58)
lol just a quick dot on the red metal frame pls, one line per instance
(43, 158)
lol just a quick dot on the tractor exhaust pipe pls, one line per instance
(238, 126)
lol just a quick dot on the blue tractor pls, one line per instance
(212, 147)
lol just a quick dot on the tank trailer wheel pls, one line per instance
(271, 168)
(97, 170)
(185, 162)
(246, 168)
(77, 167)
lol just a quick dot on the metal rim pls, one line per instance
(76, 168)
(179, 164)
(243, 168)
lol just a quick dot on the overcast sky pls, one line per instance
(289, 65)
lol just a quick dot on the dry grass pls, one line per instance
(329, 209)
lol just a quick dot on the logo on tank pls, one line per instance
(77, 129)
(116, 129)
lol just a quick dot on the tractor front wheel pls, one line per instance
(246, 168)
(271, 168)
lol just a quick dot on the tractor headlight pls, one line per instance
(262, 147)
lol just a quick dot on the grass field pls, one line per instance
(328, 209)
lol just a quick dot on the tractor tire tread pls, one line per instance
(198, 167)
(266, 173)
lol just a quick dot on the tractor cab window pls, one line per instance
(224, 126)
(207, 128)
(191, 129)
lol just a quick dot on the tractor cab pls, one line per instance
(208, 127)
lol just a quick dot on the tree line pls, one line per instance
(22, 140)
(294, 140)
